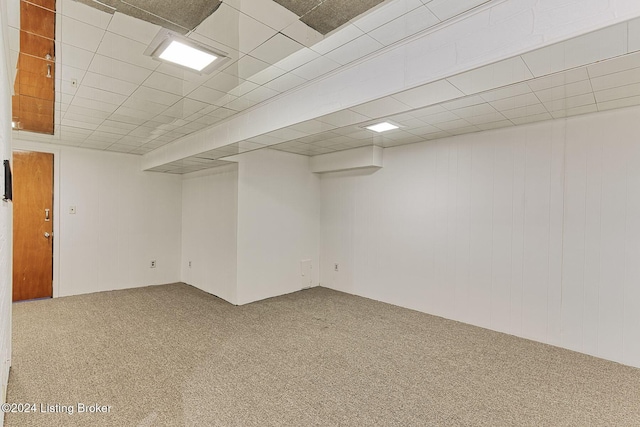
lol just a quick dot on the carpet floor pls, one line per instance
(173, 355)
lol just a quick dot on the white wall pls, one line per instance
(124, 219)
(278, 223)
(532, 231)
(209, 231)
(6, 241)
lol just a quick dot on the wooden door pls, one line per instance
(34, 88)
(32, 225)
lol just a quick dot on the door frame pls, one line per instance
(28, 146)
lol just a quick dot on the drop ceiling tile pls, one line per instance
(437, 118)
(503, 73)
(618, 93)
(155, 95)
(205, 94)
(260, 94)
(506, 92)
(126, 119)
(464, 130)
(427, 111)
(297, 59)
(623, 78)
(84, 13)
(268, 74)
(285, 82)
(343, 118)
(96, 145)
(119, 70)
(265, 140)
(166, 83)
(93, 104)
(126, 50)
(404, 26)
(276, 48)
(428, 94)
(267, 11)
(80, 125)
(243, 88)
(133, 28)
(133, 112)
(634, 35)
(338, 38)
(529, 110)
(223, 82)
(285, 134)
(98, 114)
(315, 68)
(486, 118)
(80, 34)
(619, 103)
(302, 33)
(621, 63)
(474, 110)
(423, 130)
(495, 125)
(515, 102)
(531, 119)
(355, 49)
(147, 106)
(559, 79)
(74, 56)
(246, 67)
(574, 101)
(108, 84)
(566, 91)
(68, 73)
(380, 108)
(384, 13)
(445, 9)
(240, 104)
(100, 95)
(579, 51)
(453, 124)
(463, 102)
(575, 111)
(235, 29)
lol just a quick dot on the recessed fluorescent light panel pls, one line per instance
(187, 56)
(186, 53)
(382, 127)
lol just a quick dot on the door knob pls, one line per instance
(47, 235)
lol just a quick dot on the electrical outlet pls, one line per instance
(153, 263)
(189, 264)
(336, 267)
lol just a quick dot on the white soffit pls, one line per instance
(420, 60)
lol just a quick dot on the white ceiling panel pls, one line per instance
(579, 51)
(404, 26)
(445, 9)
(502, 73)
(132, 28)
(386, 12)
(80, 34)
(428, 94)
(354, 49)
(276, 48)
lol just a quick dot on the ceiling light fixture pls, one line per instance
(187, 56)
(382, 127)
(182, 51)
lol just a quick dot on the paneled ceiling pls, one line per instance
(112, 97)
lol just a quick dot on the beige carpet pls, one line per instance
(173, 355)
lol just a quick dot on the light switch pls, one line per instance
(72, 210)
